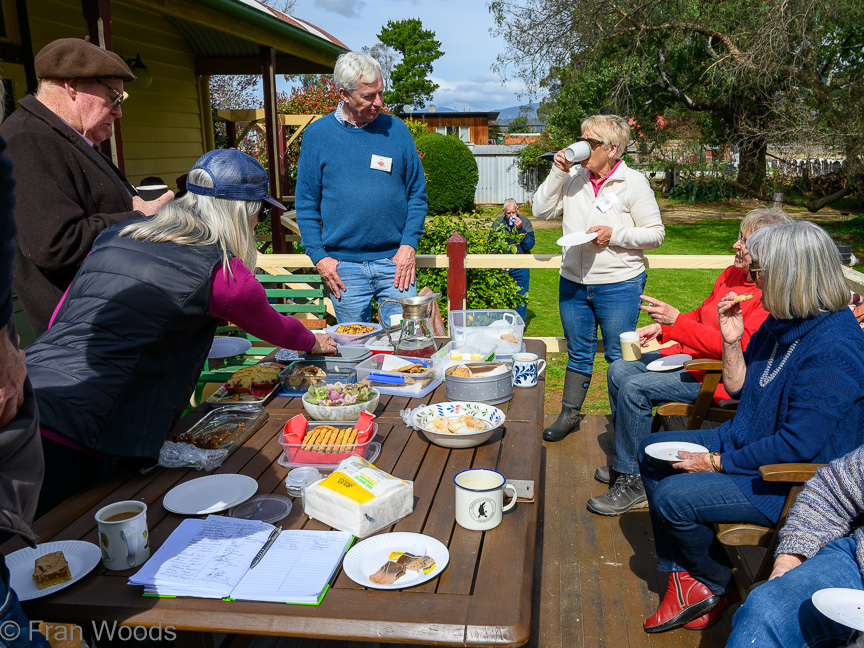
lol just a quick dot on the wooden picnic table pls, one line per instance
(483, 597)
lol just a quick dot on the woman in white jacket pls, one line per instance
(601, 280)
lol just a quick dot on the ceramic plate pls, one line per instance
(492, 415)
(225, 347)
(842, 605)
(576, 238)
(668, 450)
(669, 362)
(369, 556)
(81, 556)
(210, 494)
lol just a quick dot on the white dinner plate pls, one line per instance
(669, 362)
(81, 556)
(225, 347)
(367, 557)
(842, 605)
(576, 238)
(210, 494)
(668, 450)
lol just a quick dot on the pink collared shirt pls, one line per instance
(596, 184)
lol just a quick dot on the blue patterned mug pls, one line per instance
(526, 368)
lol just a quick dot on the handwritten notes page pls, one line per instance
(210, 559)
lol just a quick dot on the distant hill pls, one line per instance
(507, 114)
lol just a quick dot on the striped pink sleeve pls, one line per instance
(242, 301)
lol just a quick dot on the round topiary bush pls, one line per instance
(451, 173)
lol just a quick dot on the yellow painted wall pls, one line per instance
(162, 126)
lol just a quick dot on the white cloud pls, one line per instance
(347, 8)
(480, 93)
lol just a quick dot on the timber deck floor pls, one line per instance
(595, 578)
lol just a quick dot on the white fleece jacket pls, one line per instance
(634, 217)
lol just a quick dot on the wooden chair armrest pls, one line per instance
(704, 364)
(675, 409)
(740, 534)
(791, 472)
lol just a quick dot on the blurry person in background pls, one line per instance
(520, 237)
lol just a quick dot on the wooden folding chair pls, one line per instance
(739, 538)
(703, 408)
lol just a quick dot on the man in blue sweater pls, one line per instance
(361, 196)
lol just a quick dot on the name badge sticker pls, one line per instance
(606, 203)
(381, 163)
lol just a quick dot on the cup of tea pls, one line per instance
(480, 498)
(151, 192)
(526, 369)
(630, 349)
(577, 152)
(123, 535)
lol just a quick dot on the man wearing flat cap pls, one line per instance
(67, 190)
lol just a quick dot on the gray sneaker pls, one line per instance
(606, 474)
(625, 495)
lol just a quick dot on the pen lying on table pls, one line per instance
(270, 540)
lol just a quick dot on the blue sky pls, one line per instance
(464, 72)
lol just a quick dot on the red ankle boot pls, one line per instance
(713, 616)
(686, 599)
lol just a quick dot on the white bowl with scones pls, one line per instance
(458, 424)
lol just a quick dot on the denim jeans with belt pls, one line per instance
(684, 508)
(15, 630)
(364, 281)
(633, 392)
(614, 307)
(780, 614)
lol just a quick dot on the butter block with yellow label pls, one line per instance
(359, 498)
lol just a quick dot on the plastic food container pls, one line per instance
(481, 388)
(226, 427)
(380, 345)
(397, 383)
(336, 363)
(326, 457)
(502, 327)
(300, 477)
(293, 385)
(471, 351)
(348, 338)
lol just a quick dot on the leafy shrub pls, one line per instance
(486, 287)
(451, 173)
(703, 183)
(417, 128)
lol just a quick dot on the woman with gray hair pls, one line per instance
(601, 279)
(801, 389)
(127, 343)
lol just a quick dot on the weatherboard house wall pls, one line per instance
(476, 122)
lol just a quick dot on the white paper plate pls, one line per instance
(210, 494)
(81, 556)
(668, 450)
(225, 347)
(842, 605)
(576, 238)
(367, 557)
(669, 362)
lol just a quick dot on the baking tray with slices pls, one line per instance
(256, 395)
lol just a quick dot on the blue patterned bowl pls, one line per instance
(492, 415)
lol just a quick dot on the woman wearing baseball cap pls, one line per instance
(127, 343)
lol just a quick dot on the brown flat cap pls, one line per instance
(73, 58)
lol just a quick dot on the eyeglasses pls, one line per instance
(264, 214)
(119, 97)
(593, 143)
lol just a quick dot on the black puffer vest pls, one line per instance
(122, 358)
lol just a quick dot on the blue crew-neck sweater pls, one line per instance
(345, 208)
(811, 411)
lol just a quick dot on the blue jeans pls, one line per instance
(633, 391)
(685, 506)
(363, 282)
(614, 307)
(15, 629)
(780, 614)
(522, 277)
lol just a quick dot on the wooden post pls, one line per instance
(457, 285)
(268, 69)
(26, 45)
(97, 13)
(230, 134)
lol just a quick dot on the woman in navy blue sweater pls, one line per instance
(801, 389)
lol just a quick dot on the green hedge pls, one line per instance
(451, 173)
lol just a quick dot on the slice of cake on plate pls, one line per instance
(51, 569)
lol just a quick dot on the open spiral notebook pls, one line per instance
(210, 558)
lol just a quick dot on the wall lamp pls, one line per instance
(143, 78)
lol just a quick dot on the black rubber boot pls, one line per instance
(575, 390)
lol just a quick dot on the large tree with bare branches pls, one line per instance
(753, 72)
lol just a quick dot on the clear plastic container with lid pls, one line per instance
(502, 327)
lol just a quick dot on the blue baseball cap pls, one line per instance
(235, 175)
